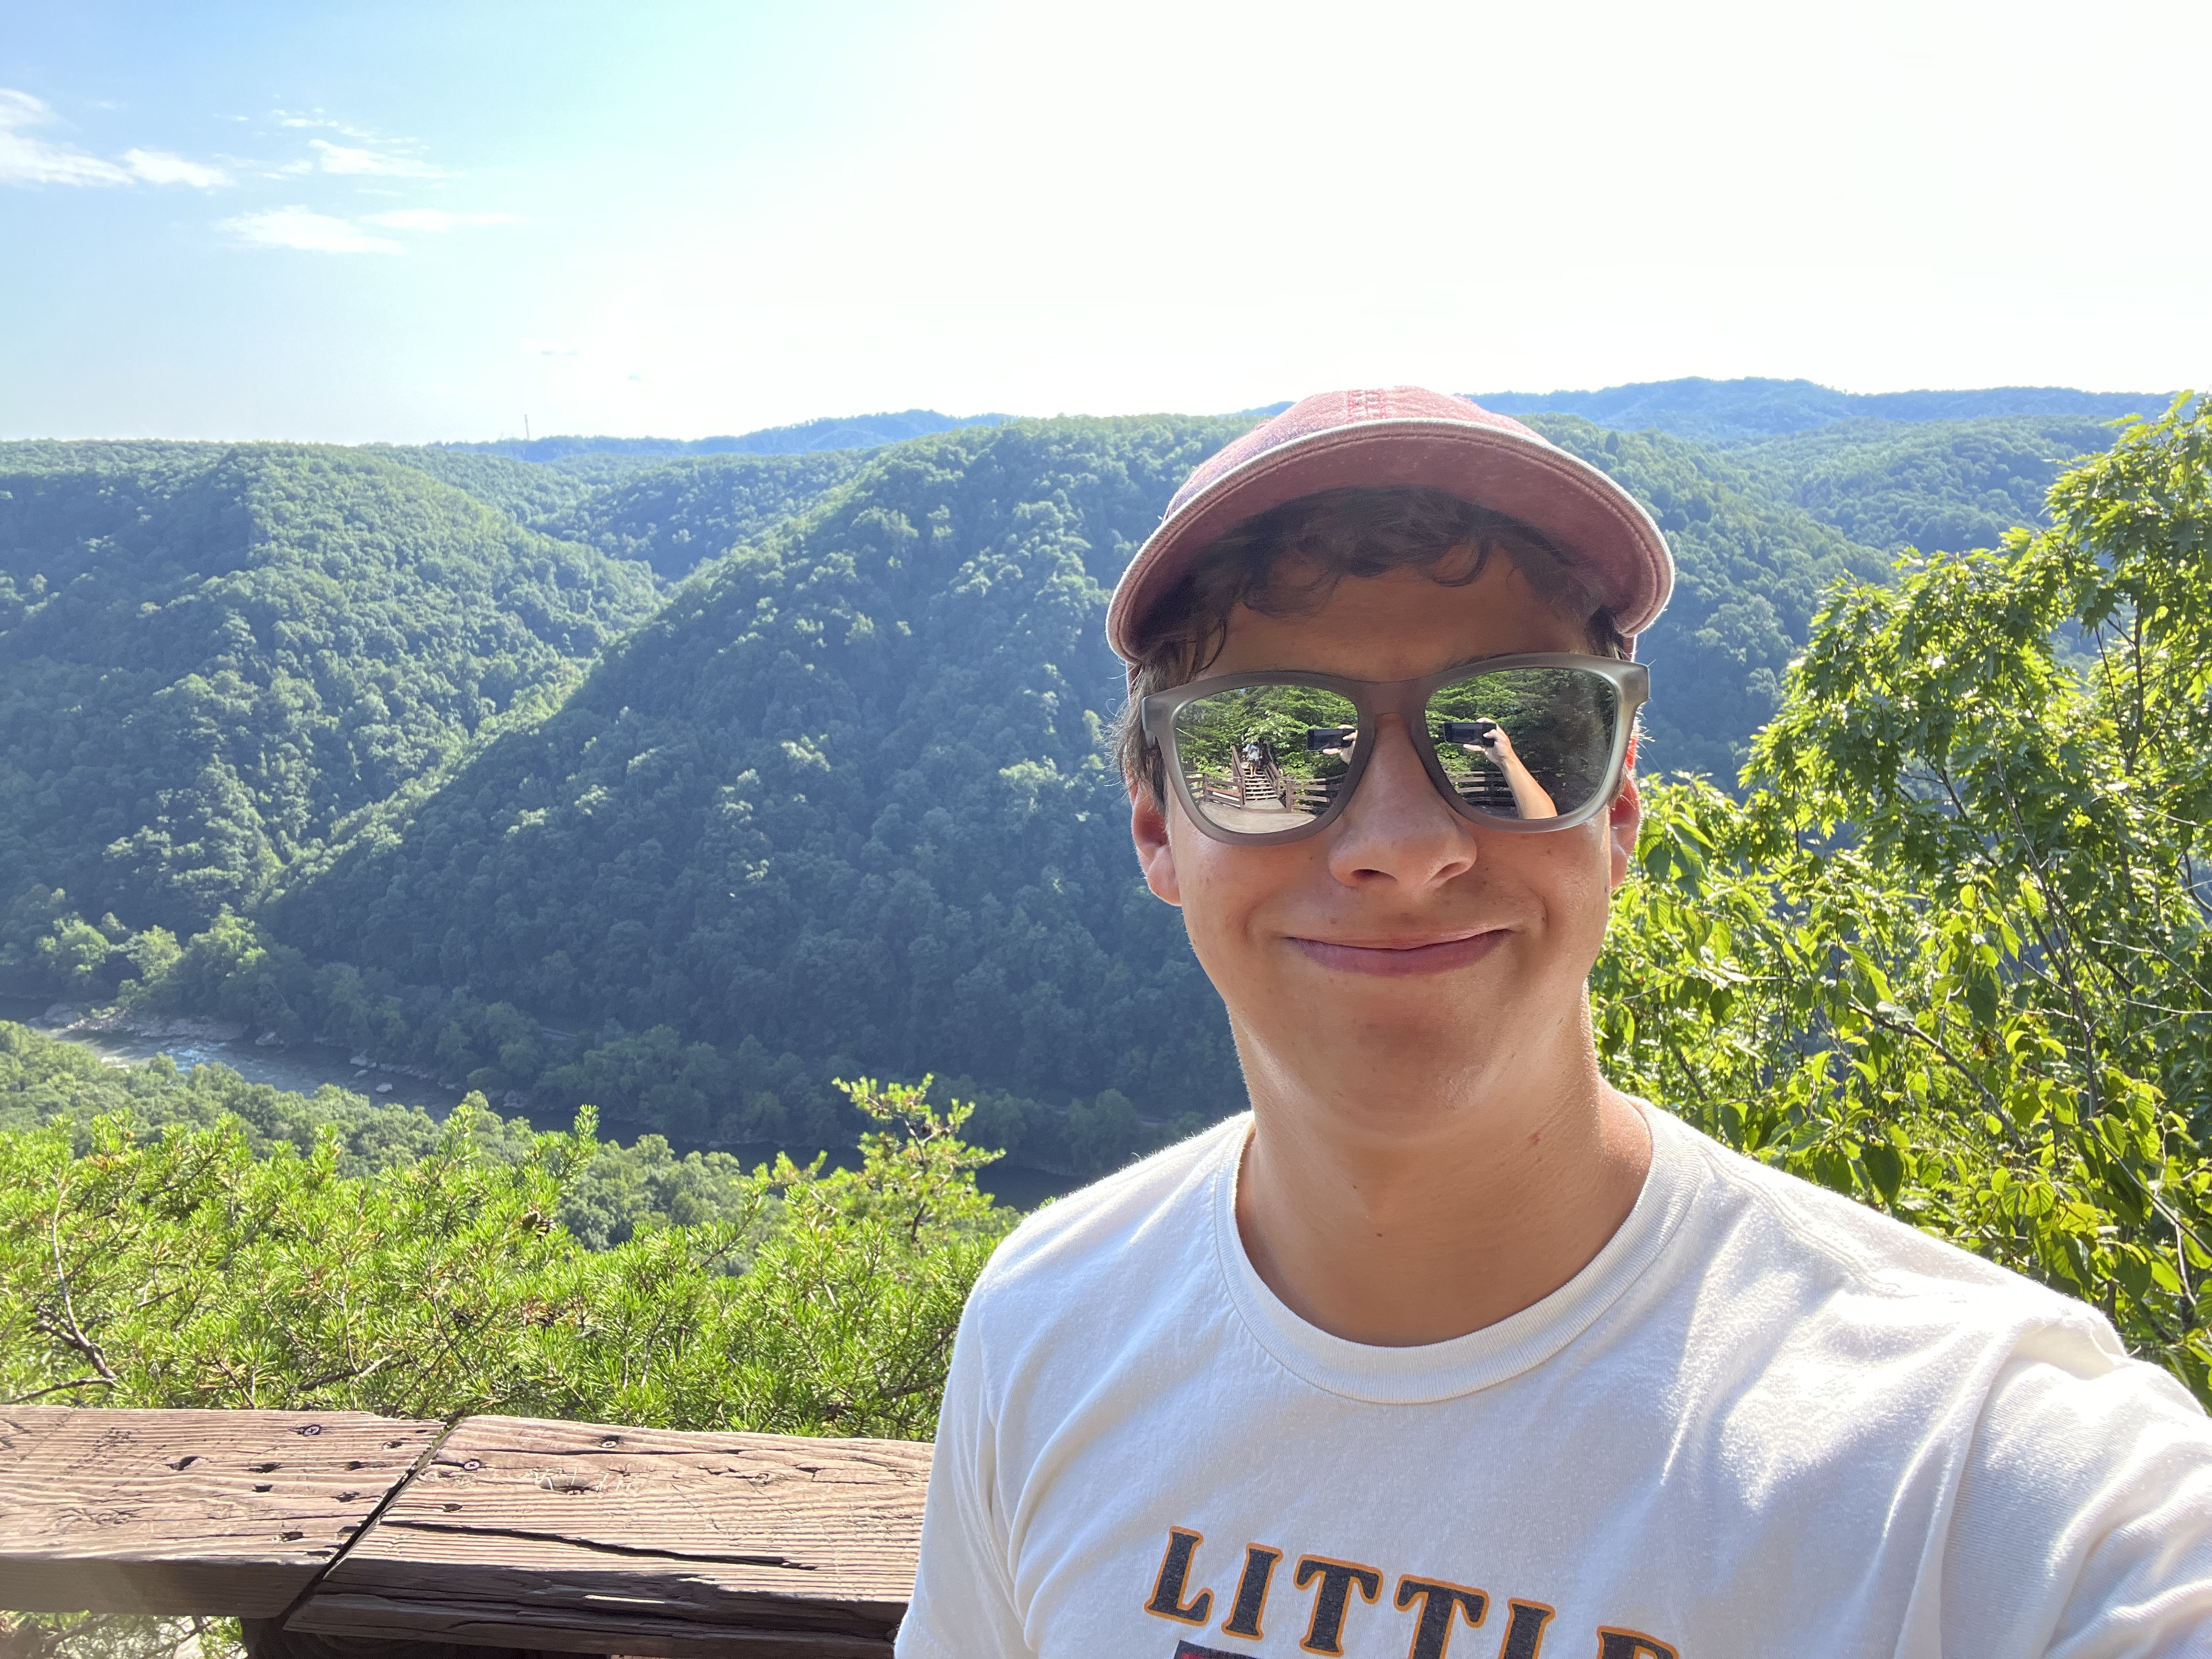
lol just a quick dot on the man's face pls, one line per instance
(1403, 935)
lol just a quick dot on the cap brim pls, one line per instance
(1592, 521)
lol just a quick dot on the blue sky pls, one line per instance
(405, 221)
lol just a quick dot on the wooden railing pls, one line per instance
(500, 1532)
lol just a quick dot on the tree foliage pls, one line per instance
(540, 498)
(176, 1267)
(623, 1190)
(1950, 954)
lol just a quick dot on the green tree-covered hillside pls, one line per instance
(844, 797)
(673, 515)
(540, 498)
(1750, 569)
(214, 659)
(1935, 486)
(679, 515)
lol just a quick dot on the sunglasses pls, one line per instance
(1524, 743)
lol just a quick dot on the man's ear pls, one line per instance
(1622, 824)
(1148, 828)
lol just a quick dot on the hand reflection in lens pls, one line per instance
(1530, 799)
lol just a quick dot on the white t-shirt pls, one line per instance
(1764, 1423)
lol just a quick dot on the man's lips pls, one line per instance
(1433, 956)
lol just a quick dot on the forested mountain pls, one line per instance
(213, 658)
(1759, 531)
(1750, 568)
(676, 515)
(1744, 411)
(671, 514)
(1939, 486)
(844, 797)
(421, 752)
(540, 498)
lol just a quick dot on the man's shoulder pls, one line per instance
(1117, 1213)
(1128, 1231)
(1770, 1224)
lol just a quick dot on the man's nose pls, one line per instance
(1396, 827)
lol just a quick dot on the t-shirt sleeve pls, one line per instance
(2084, 1522)
(963, 1595)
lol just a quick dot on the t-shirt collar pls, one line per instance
(1480, 1359)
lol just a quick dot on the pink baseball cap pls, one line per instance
(1404, 434)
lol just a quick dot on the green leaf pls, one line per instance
(1884, 1167)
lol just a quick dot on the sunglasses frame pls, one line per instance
(1409, 701)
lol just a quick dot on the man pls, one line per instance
(1448, 1348)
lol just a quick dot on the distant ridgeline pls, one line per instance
(1744, 411)
(854, 432)
(756, 765)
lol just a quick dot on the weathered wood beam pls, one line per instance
(584, 1538)
(267, 1638)
(217, 1512)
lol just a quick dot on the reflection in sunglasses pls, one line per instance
(1266, 758)
(1524, 743)
(1490, 740)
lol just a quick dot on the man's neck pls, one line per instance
(1396, 1209)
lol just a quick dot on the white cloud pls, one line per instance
(161, 166)
(286, 117)
(304, 228)
(437, 219)
(345, 158)
(547, 348)
(28, 160)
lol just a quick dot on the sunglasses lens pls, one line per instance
(1264, 759)
(1525, 743)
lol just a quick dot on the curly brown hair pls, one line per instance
(1327, 537)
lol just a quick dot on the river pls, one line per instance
(305, 1067)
